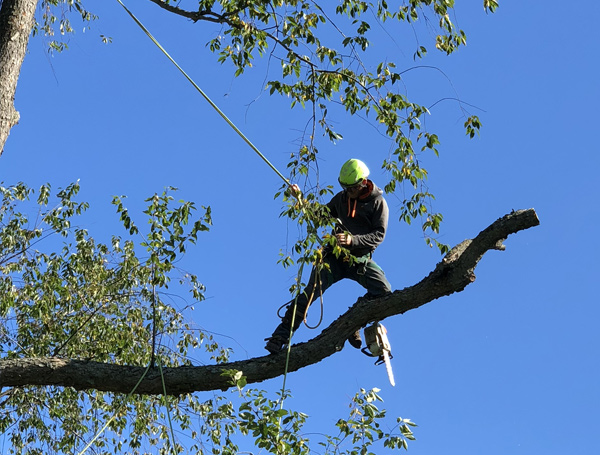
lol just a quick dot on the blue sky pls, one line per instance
(508, 366)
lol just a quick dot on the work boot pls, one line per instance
(275, 343)
(355, 340)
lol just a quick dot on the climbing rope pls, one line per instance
(239, 132)
(117, 412)
(162, 378)
(206, 97)
(310, 300)
(264, 158)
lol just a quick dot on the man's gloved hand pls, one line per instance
(295, 190)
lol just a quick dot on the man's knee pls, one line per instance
(376, 281)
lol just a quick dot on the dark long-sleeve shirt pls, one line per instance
(366, 218)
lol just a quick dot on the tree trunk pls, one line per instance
(16, 22)
(452, 274)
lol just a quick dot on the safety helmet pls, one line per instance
(352, 172)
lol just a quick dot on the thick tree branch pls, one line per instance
(451, 275)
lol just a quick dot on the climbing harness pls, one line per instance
(378, 346)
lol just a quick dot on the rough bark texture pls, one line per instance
(451, 275)
(16, 21)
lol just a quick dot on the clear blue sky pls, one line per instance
(508, 366)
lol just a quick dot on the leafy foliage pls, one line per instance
(328, 63)
(325, 57)
(55, 21)
(65, 294)
(280, 431)
(83, 299)
(105, 286)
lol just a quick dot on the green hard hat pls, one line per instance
(352, 172)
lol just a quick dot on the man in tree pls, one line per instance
(361, 213)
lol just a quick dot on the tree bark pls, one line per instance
(451, 275)
(16, 22)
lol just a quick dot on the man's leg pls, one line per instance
(373, 280)
(370, 276)
(317, 284)
(282, 333)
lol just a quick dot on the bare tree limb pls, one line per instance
(200, 15)
(451, 275)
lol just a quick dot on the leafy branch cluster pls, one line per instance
(364, 430)
(106, 286)
(327, 60)
(89, 300)
(317, 75)
(281, 431)
(55, 21)
(324, 60)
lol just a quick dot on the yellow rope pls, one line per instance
(215, 107)
(252, 146)
(89, 444)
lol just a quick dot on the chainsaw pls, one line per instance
(378, 346)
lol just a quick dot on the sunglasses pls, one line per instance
(356, 186)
